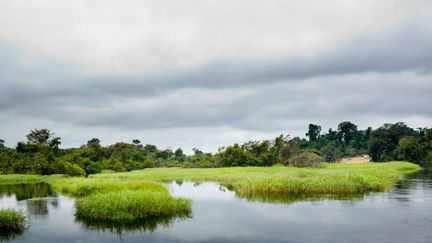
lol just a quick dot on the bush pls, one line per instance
(305, 159)
(312, 150)
(331, 152)
(429, 160)
(67, 168)
(74, 170)
(12, 220)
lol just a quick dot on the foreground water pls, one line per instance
(404, 214)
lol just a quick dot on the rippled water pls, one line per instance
(404, 214)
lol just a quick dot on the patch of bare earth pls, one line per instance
(356, 159)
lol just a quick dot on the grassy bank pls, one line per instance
(333, 179)
(12, 220)
(139, 195)
(20, 179)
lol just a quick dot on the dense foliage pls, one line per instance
(41, 153)
(388, 142)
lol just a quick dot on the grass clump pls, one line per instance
(335, 179)
(113, 200)
(81, 187)
(12, 220)
(130, 206)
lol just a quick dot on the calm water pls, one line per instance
(403, 214)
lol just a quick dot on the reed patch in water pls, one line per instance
(130, 206)
(12, 220)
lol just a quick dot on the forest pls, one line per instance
(42, 154)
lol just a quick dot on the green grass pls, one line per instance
(333, 179)
(108, 200)
(139, 195)
(81, 187)
(128, 205)
(20, 179)
(12, 220)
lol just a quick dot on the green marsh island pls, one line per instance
(138, 195)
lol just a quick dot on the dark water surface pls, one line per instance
(404, 214)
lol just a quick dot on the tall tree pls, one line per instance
(384, 140)
(43, 137)
(409, 150)
(179, 153)
(346, 131)
(93, 143)
(313, 132)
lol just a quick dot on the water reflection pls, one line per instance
(40, 206)
(148, 225)
(415, 187)
(403, 214)
(10, 235)
(30, 197)
(184, 188)
(289, 199)
(26, 191)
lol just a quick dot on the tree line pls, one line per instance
(41, 153)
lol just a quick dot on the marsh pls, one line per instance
(403, 214)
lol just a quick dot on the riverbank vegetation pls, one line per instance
(139, 195)
(99, 195)
(332, 179)
(41, 153)
(12, 220)
(13, 179)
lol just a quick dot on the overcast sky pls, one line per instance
(207, 73)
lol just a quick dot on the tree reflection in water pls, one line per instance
(37, 199)
(40, 206)
(26, 191)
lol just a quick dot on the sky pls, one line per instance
(208, 73)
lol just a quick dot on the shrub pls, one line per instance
(73, 170)
(428, 162)
(305, 159)
(312, 150)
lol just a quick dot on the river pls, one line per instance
(403, 214)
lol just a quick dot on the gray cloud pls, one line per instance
(375, 78)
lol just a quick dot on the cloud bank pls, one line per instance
(213, 73)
